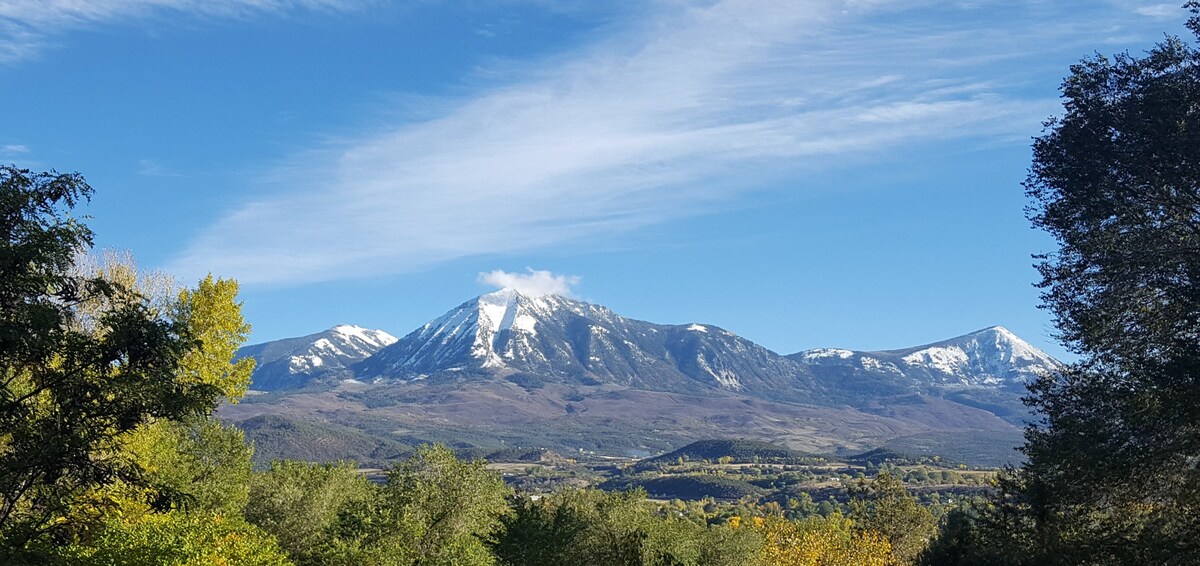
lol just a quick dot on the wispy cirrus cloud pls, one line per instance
(1159, 10)
(28, 26)
(688, 108)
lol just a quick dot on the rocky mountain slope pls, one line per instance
(295, 362)
(555, 338)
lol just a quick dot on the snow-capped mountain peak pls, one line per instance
(507, 309)
(560, 343)
(990, 357)
(294, 361)
(993, 355)
(491, 330)
(563, 338)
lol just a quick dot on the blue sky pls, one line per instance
(835, 173)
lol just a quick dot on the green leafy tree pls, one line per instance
(1113, 475)
(801, 506)
(883, 505)
(592, 527)
(434, 509)
(69, 394)
(455, 507)
(304, 505)
(200, 464)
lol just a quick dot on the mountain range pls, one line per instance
(507, 367)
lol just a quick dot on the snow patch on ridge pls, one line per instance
(494, 309)
(304, 364)
(873, 364)
(509, 310)
(823, 353)
(525, 323)
(948, 360)
(724, 377)
(374, 338)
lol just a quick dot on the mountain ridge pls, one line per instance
(568, 339)
(989, 358)
(505, 369)
(506, 332)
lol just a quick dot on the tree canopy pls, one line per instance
(1112, 474)
(108, 378)
(69, 393)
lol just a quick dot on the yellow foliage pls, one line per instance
(820, 541)
(178, 539)
(214, 317)
(211, 313)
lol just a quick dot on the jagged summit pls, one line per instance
(562, 338)
(490, 331)
(293, 362)
(992, 351)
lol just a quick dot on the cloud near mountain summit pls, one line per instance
(535, 283)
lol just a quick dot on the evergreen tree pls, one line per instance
(1113, 472)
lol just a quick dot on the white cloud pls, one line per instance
(533, 284)
(689, 108)
(1161, 11)
(26, 26)
(15, 148)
